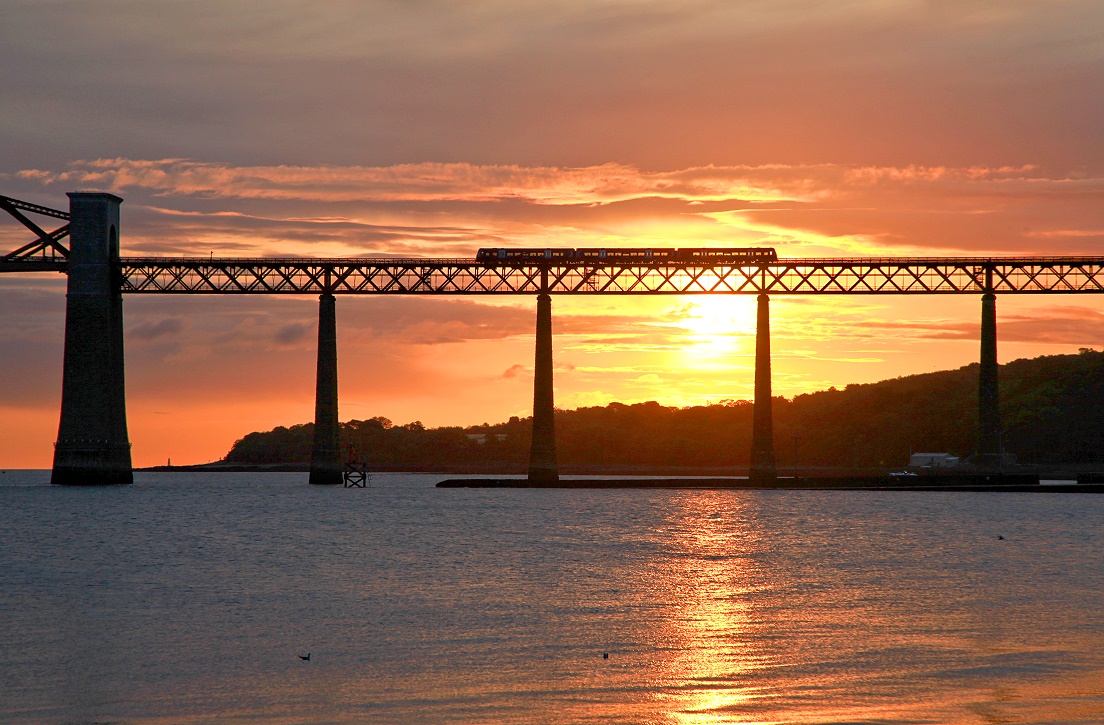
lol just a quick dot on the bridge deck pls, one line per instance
(459, 277)
(883, 275)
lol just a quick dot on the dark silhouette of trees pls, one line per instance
(1052, 409)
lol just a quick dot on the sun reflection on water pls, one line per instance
(708, 568)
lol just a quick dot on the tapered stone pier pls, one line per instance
(762, 430)
(542, 455)
(326, 467)
(989, 425)
(92, 446)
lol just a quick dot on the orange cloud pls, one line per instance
(413, 182)
(452, 209)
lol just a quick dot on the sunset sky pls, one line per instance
(433, 128)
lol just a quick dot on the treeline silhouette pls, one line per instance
(1052, 413)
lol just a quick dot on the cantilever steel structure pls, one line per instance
(93, 400)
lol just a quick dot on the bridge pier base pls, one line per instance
(326, 467)
(542, 455)
(989, 451)
(92, 446)
(762, 466)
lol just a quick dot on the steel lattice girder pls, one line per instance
(47, 246)
(33, 264)
(460, 277)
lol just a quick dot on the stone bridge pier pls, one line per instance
(326, 467)
(762, 467)
(542, 454)
(92, 445)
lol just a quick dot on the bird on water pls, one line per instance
(306, 658)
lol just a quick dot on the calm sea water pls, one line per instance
(186, 598)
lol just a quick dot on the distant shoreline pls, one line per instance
(992, 483)
(1051, 472)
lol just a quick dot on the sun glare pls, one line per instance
(719, 326)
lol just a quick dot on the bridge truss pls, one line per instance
(360, 276)
(46, 252)
(899, 275)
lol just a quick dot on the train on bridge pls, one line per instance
(732, 255)
(93, 445)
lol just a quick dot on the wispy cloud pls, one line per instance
(426, 182)
(451, 209)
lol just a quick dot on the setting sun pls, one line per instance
(720, 326)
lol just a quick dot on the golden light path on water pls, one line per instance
(707, 573)
(745, 639)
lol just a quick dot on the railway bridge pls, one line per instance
(93, 445)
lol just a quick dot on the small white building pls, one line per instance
(933, 460)
(481, 438)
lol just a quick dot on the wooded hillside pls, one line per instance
(1052, 409)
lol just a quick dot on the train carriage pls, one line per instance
(707, 255)
(505, 254)
(739, 254)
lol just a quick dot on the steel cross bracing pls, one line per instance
(893, 275)
(46, 253)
